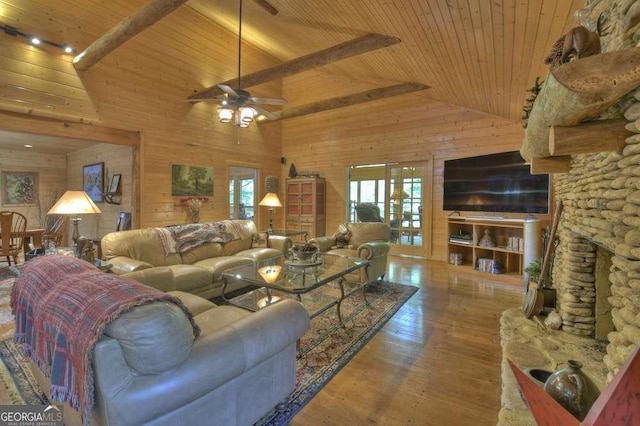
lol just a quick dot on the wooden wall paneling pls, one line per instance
(116, 159)
(51, 171)
(393, 131)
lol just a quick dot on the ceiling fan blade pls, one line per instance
(262, 111)
(267, 101)
(267, 6)
(228, 90)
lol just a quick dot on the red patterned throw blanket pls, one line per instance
(61, 306)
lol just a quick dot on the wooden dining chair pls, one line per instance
(55, 229)
(12, 228)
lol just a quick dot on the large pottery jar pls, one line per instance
(572, 389)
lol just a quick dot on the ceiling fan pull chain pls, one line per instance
(239, 43)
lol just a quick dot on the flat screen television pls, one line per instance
(494, 183)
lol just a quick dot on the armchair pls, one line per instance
(368, 212)
(366, 240)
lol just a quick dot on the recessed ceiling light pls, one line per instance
(28, 146)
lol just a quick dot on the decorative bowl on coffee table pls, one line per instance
(304, 253)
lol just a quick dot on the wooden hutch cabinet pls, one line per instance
(305, 205)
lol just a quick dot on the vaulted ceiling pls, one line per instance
(478, 54)
(482, 55)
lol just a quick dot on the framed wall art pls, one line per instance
(19, 188)
(191, 181)
(114, 186)
(93, 181)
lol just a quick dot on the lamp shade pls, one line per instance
(399, 194)
(74, 202)
(225, 115)
(270, 274)
(271, 200)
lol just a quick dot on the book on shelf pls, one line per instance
(459, 240)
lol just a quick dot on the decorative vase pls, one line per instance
(572, 389)
(195, 216)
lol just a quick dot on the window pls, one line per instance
(242, 192)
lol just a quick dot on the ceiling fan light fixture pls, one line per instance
(225, 115)
(241, 123)
(246, 114)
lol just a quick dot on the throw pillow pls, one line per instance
(343, 236)
(260, 240)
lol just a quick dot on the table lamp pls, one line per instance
(74, 203)
(398, 195)
(272, 201)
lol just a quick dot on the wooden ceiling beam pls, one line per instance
(146, 16)
(28, 123)
(350, 48)
(354, 99)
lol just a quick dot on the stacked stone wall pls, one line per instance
(601, 206)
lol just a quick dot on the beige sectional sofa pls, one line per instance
(149, 367)
(196, 266)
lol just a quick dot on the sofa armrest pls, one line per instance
(215, 359)
(323, 243)
(373, 249)
(280, 242)
(123, 265)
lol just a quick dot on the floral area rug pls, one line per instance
(327, 346)
(323, 350)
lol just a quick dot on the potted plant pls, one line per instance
(534, 270)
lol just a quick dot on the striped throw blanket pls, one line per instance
(61, 306)
(182, 238)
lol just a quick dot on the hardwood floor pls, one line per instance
(436, 362)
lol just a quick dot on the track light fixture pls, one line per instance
(34, 39)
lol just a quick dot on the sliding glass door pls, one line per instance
(405, 188)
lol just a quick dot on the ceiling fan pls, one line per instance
(236, 104)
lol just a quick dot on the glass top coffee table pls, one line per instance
(318, 284)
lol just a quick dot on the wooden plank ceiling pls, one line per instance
(481, 55)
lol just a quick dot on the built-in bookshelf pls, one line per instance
(509, 247)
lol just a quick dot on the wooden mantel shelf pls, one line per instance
(576, 92)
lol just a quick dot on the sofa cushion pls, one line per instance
(195, 304)
(363, 232)
(222, 316)
(236, 246)
(218, 265)
(189, 277)
(258, 254)
(140, 244)
(245, 230)
(204, 251)
(140, 330)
